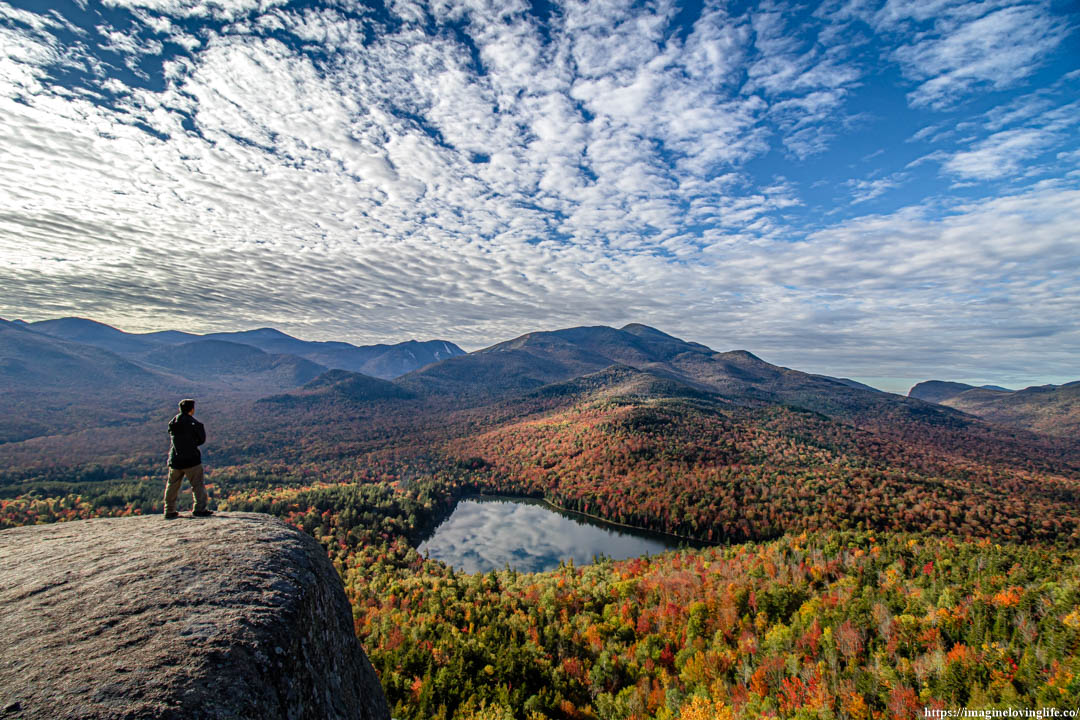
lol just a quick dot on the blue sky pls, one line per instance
(883, 190)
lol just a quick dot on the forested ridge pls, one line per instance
(735, 476)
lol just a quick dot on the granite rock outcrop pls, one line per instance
(232, 616)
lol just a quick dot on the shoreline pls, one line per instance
(596, 518)
(703, 543)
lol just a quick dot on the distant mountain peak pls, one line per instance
(270, 332)
(745, 355)
(648, 333)
(91, 332)
(1050, 409)
(642, 329)
(935, 391)
(340, 386)
(74, 324)
(74, 320)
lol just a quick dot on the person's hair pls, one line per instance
(187, 405)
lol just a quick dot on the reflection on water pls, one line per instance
(489, 534)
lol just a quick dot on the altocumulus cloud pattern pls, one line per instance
(860, 187)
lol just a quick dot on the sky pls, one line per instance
(876, 189)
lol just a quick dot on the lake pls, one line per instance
(490, 533)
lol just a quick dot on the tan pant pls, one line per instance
(176, 478)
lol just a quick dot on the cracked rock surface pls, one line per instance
(232, 616)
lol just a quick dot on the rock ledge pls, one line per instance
(233, 616)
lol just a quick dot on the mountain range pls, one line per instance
(382, 361)
(539, 359)
(630, 423)
(68, 374)
(64, 374)
(1049, 409)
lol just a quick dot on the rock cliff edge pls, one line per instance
(233, 616)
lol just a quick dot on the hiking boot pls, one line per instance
(172, 515)
(202, 513)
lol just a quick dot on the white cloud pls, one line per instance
(1041, 122)
(219, 9)
(1001, 154)
(986, 286)
(864, 190)
(966, 50)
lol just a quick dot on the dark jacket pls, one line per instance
(187, 435)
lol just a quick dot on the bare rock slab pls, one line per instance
(233, 616)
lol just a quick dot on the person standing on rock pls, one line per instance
(185, 460)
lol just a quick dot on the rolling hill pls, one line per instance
(52, 385)
(31, 360)
(239, 367)
(1050, 409)
(339, 387)
(1047, 409)
(937, 391)
(97, 334)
